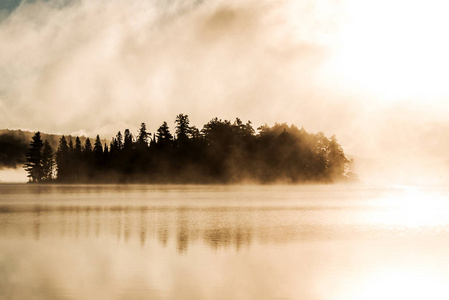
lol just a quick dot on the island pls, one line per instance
(221, 152)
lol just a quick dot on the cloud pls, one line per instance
(88, 64)
(103, 66)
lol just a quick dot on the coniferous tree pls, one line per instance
(71, 147)
(33, 163)
(88, 159)
(140, 158)
(98, 146)
(71, 168)
(47, 161)
(182, 128)
(164, 137)
(78, 146)
(78, 165)
(62, 160)
(128, 140)
(142, 137)
(98, 151)
(87, 149)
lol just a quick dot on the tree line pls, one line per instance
(221, 152)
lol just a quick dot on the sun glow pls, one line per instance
(394, 49)
(414, 207)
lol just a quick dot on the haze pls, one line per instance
(373, 73)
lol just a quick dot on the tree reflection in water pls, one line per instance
(218, 228)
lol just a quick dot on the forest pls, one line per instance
(221, 152)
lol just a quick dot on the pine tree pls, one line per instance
(62, 160)
(87, 149)
(98, 150)
(163, 135)
(78, 147)
(142, 137)
(34, 159)
(182, 127)
(71, 146)
(128, 140)
(47, 161)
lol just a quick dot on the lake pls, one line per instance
(223, 242)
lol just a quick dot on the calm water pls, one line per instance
(223, 242)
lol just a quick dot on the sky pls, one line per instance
(374, 73)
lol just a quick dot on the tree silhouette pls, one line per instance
(183, 130)
(78, 147)
(87, 150)
(128, 140)
(221, 152)
(142, 136)
(98, 147)
(164, 137)
(98, 152)
(78, 159)
(47, 162)
(62, 160)
(33, 163)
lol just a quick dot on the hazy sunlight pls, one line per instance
(395, 50)
(414, 207)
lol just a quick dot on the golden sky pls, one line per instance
(372, 72)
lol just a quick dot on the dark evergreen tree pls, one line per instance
(78, 163)
(33, 163)
(87, 148)
(142, 136)
(72, 167)
(98, 146)
(128, 140)
(47, 162)
(182, 131)
(62, 160)
(164, 137)
(71, 147)
(98, 151)
(78, 147)
(88, 158)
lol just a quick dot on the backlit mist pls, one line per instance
(373, 73)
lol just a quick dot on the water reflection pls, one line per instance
(216, 226)
(89, 242)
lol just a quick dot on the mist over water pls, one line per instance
(222, 242)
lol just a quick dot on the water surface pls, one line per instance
(223, 242)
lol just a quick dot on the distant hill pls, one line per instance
(14, 145)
